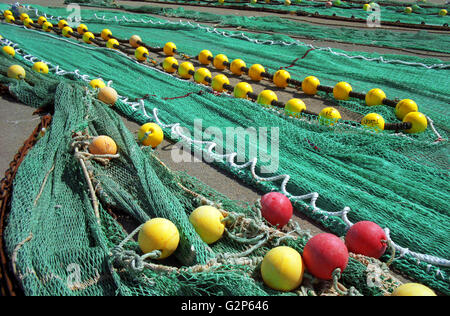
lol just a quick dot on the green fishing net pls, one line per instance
(399, 182)
(420, 14)
(53, 232)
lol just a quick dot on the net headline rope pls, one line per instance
(176, 128)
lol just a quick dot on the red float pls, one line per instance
(276, 208)
(323, 254)
(366, 238)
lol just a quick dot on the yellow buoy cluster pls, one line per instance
(310, 85)
(162, 234)
(406, 110)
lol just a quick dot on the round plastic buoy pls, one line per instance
(207, 222)
(255, 71)
(150, 134)
(218, 82)
(27, 22)
(366, 238)
(310, 84)
(373, 121)
(185, 70)
(67, 31)
(281, 78)
(282, 269)
(418, 120)
(169, 49)
(135, 40)
(40, 67)
(329, 116)
(204, 57)
(375, 97)
(219, 60)
(404, 107)
(236, 66)
(97, 83)
(408, 10)
(88, 37)
(266, 97)
(168, 64)
(47, 26)
(41, 20)
(107, 95)
(24, 16)
(443, 12)
(201, 74)
(294, 107)
(276, 208)
(16, 72)
(159, 234)
(10, 19)
(106, 34)
(341, 91)
(141, 53)
(413, 289)
(112, 43)
(103, 145)
(62, 24)
(323, 254)
(81, 29)
(242, 89)
(9, 51)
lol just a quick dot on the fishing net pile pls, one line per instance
(420, 13)
(398, 181)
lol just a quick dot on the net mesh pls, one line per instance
(420, 14)
(423, 40)
(50, 196)
(397, 182)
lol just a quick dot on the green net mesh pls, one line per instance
(52, 230)
(420, 14)
(423, 40)
(398, 182)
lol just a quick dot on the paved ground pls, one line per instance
(17, 122)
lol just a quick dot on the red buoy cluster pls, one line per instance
(324, 253)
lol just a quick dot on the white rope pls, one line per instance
(175, 127)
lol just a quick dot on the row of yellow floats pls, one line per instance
(406, 109)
